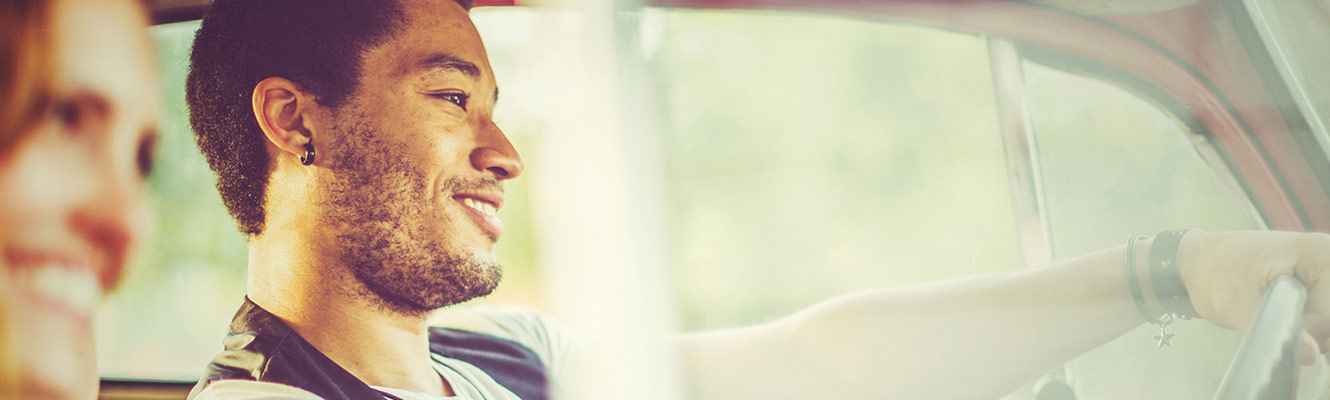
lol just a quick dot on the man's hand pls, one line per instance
(1226, 274)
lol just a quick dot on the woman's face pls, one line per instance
(72, 193)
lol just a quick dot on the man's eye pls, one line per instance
(454, 97)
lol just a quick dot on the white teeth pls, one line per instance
(49, 281)
(87, 292)
(76, 288)
(483, 207)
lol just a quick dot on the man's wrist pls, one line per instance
(1166, 274)
(1154, 276)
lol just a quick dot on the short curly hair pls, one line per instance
(317, 44)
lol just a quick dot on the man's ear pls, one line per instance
(285, 114)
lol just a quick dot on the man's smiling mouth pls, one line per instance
(481, 206)
(484, 209)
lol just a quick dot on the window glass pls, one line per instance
(1116, 164)
(1294, 32)
(811, 156)
(169, 316)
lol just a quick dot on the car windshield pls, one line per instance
(776, 157)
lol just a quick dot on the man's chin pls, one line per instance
(483, 281)
(425, 291)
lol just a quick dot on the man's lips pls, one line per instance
(483, 208)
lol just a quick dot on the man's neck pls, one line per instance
(321, 301)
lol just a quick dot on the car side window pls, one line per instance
(812, 156)
(1116, 162)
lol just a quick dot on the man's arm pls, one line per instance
(982, 337)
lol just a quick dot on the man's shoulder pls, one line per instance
(260, 347)
(517, 323)
(517, 347)
(521, 325)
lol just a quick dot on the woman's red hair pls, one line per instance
(25, 68)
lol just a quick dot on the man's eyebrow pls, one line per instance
(450, 62)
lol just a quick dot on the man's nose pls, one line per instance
(495, 154)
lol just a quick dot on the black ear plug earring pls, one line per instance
(308, 158)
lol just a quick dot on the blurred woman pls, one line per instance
(24, 70)
(77, 119)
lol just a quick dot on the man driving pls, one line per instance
(354, 144)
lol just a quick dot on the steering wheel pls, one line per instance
(1266, 364)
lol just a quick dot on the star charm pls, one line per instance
(1164, 338)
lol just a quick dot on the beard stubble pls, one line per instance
(377, 199)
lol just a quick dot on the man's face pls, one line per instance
(416, 164)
